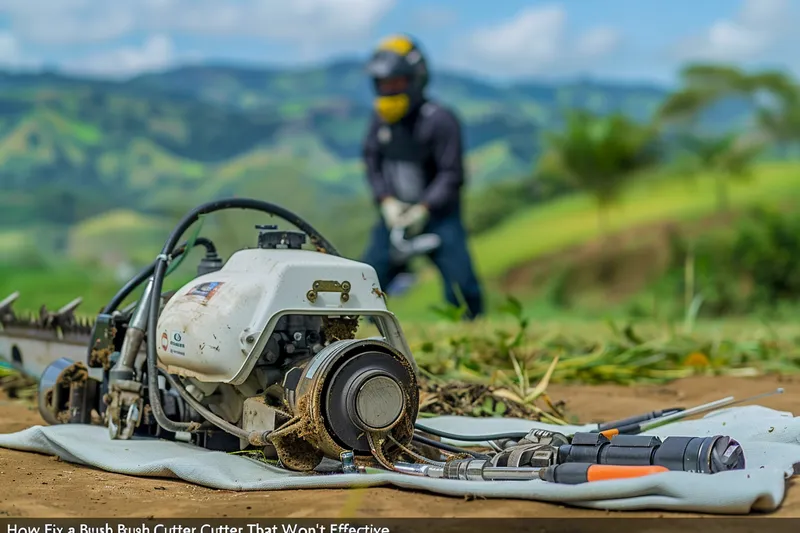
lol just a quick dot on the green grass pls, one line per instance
(12, 242)
(119, 232)
(494, 161)
(57, 287)
(85, 133)
(572, 221)
(514, 351)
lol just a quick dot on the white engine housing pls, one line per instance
(214, 328)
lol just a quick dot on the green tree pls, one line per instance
(779, 113)
(599, 154)
(702, 86)
(770, 93)
(730, 154)
(726, 157)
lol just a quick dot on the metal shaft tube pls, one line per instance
(469, 470)
(124, 369)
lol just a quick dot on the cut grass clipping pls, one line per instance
(15, 385)
(486, 369)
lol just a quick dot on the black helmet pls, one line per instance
(400, 75)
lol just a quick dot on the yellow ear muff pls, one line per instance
(392, 108)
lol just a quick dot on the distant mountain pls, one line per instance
(73, 148)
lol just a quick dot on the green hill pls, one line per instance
(72, 149)
(96, 171)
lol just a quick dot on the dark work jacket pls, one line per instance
(419, 159)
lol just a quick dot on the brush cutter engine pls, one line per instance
(260, 353)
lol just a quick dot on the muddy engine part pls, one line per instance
(258, 353)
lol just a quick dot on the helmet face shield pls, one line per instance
(392, 99)
(392, 86)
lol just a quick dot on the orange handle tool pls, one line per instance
(575, 473)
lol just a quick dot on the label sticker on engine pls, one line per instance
(164, 341)
(206, 290)
(176, 345)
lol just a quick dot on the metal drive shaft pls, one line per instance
(469, 470)
(569, 473)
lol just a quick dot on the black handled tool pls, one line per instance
(689, 454)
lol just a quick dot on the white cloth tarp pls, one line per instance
(770, 439)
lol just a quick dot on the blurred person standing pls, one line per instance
(413, 152)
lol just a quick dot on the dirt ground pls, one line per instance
(40, 486)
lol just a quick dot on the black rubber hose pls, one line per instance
(319, 242)
(129, 287)
(209, 246)
(472, 438)
(447, 447)
(147, 271)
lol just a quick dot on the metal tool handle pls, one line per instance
(427, 242)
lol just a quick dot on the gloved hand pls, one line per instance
(391, 210)
(414, 219)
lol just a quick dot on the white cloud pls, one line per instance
(533, 42)
(292, 21)
(12, 54)
(319, 22)
(315, 29)
(766, 14)
(758, 28)
(9, 48)
(156, 53)
(54, 22)
(598, 42)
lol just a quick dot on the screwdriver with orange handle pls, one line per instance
(576, 473)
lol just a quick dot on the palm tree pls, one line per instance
(599, 154)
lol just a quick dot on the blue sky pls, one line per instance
(642, 40)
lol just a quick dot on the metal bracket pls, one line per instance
(329, 286)
(125, 409)
(539, 448)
